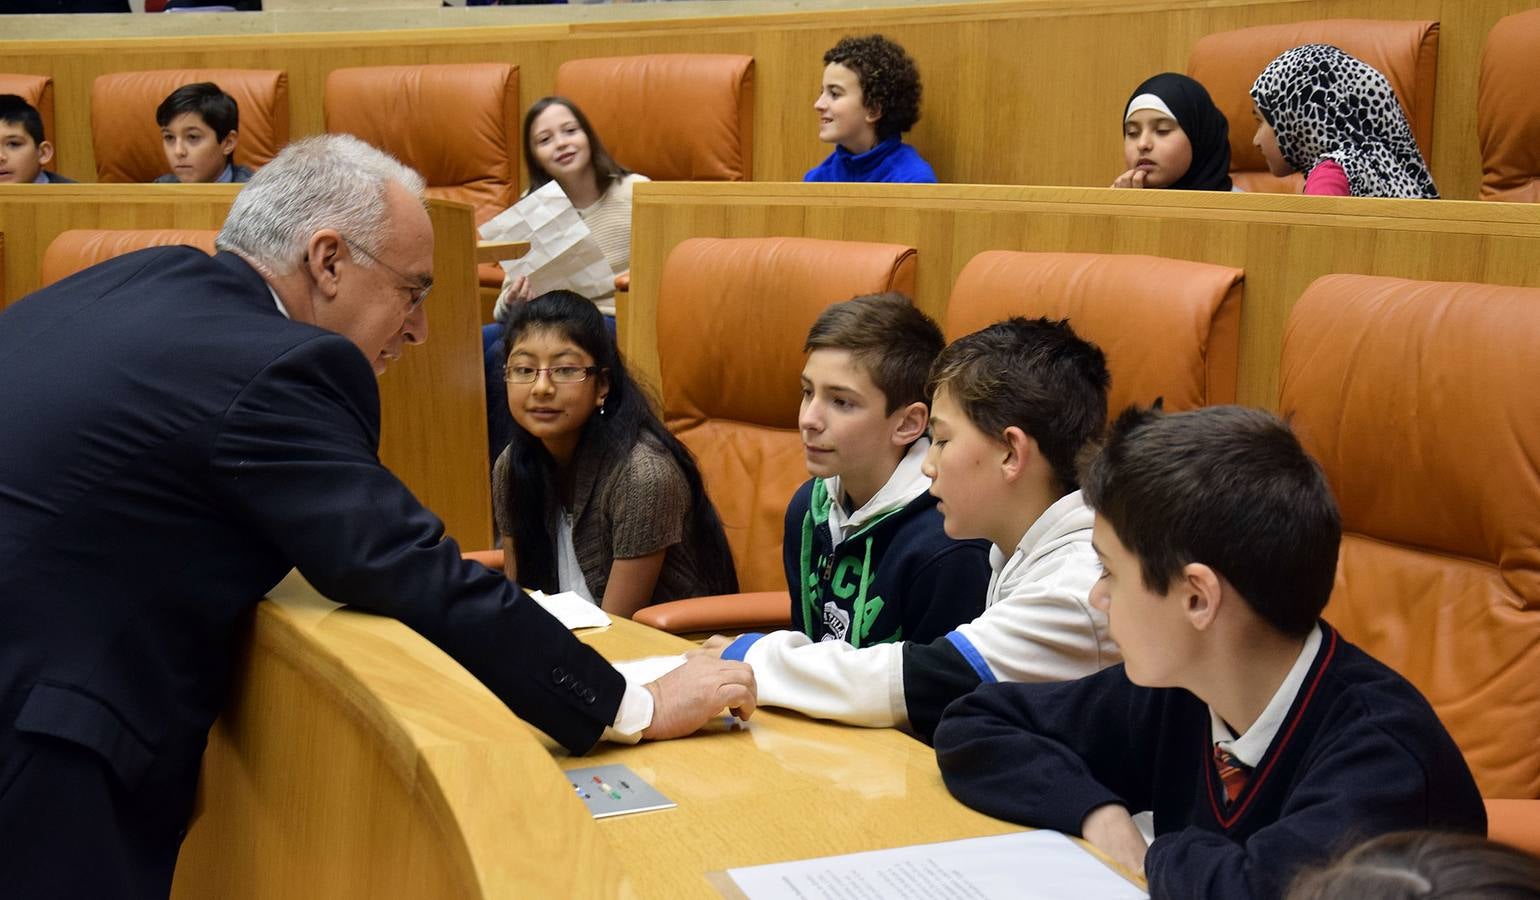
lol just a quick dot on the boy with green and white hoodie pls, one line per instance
(1013, 406)
(867, 559)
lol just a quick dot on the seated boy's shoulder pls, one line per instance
(801, 498)
(1367, 696)
(921, 527)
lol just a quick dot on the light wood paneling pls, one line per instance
(1282, 242)
(1018, 91)
(432, 401)
(356, 760)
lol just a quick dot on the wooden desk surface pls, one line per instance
(356, 760)
(780, 788)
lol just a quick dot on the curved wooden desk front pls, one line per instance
(357, 760)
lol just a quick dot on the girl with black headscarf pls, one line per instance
(1174, 137)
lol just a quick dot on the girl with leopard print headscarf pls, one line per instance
(1334, 117)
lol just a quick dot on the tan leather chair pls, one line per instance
(38, 91)
(126, 139)
(1508, 111)
(1228, 62)
(732, 317)
(1417, 398)
(73, 251)
(671, 116)
(1170, 328)
(456, 124)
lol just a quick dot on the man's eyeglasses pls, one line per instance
(417, 288)
(559, 374)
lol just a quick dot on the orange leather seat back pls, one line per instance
(1508, 110)
(671, 116)
(73, 251)
(732, 317)
(126, 139)
(1417, 398)
(1170, 328)
(1227, 63)
(38, 91)
(457, 125)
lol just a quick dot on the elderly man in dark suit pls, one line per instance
(179, 431)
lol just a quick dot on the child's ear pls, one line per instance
(1020, 451)
(1202, 595)
(912, 422)
(873, 115)
(227, 146)
(44, 153)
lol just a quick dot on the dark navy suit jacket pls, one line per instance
(170, 445)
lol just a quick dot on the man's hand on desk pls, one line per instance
(691, 695)
(712, 646)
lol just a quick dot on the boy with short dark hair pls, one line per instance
(1012, 407)
(199, 128)
(867, 560)
(1261, 739)
(23, 148)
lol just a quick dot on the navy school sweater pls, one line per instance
(1361, 753)
(895, 578)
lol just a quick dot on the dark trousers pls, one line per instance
(69, 830)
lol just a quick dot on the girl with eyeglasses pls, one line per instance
(593, 494)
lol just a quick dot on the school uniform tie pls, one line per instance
(1232, 772)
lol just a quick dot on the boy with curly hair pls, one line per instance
(870, 97)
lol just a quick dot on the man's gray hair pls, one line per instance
(328, 181)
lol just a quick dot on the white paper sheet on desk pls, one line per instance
(571, 610)
(562, 252)
(648, 668)
(1036, 865)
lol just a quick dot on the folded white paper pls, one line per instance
(562, 252)
(571, 610)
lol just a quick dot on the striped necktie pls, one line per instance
(1232, 772)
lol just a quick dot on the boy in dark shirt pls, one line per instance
(1261, 739)
(199, 128)
(23, 150)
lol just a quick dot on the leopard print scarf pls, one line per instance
(1324, 104)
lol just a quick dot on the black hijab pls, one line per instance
(1205, 126)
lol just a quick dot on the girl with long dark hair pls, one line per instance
(593, 494)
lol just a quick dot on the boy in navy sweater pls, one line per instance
(1260, 738)
(867, 560)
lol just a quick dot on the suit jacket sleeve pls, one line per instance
(296, 457)
(1046, 755)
